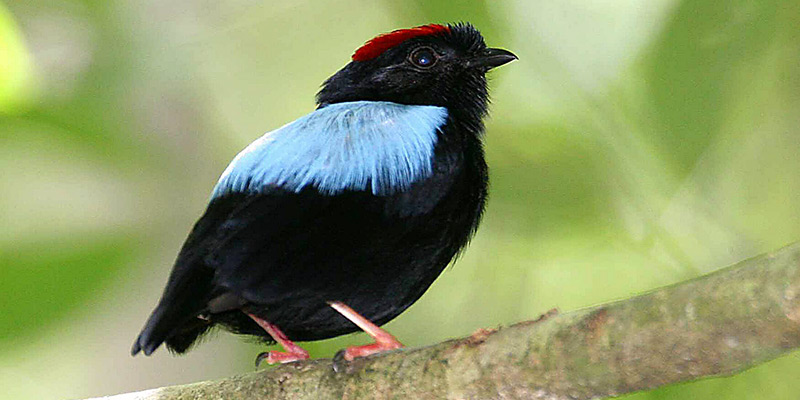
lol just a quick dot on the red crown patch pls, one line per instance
(377, 45)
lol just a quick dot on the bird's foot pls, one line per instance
(353, 352)
(383, 340)
(293, 352)
(343, 357)
(281, 357)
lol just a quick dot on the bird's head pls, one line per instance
(441, 65)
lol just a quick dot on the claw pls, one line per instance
(261, 357)
(339, 363)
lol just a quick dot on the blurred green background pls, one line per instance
(634, 144)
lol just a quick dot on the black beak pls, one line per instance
(491, 58)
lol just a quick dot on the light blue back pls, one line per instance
(374, 146)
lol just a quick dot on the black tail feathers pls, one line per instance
(178, 339)
(189, 334)
(154, 333)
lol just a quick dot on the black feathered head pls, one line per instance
(441, 65)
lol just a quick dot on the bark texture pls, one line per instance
(718, 324)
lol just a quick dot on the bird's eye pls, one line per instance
(423, 57)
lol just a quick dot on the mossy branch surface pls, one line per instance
(715, 325)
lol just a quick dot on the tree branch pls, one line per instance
(718, 324)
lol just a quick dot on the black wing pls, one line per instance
(190, 283)
(233, 229)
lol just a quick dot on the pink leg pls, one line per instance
(383, 340)
(293, 351)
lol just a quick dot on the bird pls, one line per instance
(340, 220)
